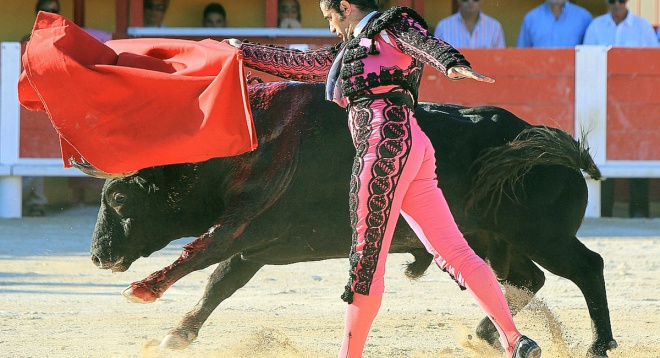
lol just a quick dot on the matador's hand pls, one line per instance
(460, 72)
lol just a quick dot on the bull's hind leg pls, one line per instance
(228, 277)
(522, 280)
(569, 258)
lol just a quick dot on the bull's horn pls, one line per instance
(87, 168)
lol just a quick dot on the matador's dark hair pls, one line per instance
(364, 5)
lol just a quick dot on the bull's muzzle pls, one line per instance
(116, 266)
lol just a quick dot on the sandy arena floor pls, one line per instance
(55, 303)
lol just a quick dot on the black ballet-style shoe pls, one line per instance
(526, 348)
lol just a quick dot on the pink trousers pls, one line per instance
(394, 172)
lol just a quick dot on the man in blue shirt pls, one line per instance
(555, 23)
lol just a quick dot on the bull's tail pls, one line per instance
(416, 268)
(501, 168)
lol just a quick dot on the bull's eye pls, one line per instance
(118, 198)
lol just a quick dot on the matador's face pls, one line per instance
(338, 23)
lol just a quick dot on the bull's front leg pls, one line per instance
(216, 245)
(228, 277)
(247, 201)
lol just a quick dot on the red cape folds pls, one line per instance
(131, 104)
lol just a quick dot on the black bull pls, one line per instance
(515, 190)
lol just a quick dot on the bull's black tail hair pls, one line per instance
(417, 268)
(501, 168)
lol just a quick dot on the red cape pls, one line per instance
(131, 104)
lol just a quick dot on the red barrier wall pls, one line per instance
(633, 104)
(537, 85)
(38, 137)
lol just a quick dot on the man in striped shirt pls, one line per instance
(470, 27)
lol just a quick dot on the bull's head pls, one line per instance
(142, 213)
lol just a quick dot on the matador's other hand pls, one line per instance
(234, 42)
(460, 72)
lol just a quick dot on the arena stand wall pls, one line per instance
(610, 94)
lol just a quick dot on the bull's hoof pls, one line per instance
(177, 340)
(139, 294)
(487, 331)
(600, 351)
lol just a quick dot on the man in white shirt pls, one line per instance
(620, 27)
(470, 27)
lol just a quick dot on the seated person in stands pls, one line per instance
(288, 14)
(34, 199)
(52, 6)
(555, 23)
(619, 27)
(470, 27)
(214, 16)
(154, 12)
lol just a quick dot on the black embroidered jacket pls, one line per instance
(405, 29)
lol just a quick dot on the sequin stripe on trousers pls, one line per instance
(382, 148)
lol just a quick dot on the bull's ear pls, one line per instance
(168, 176)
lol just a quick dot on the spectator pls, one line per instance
(154, 12)
(214, 16)
(620, 27)
(34, 198)
(658, 34)
(52, 6)
(470, 27)
(555, 23)
(288, 14)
